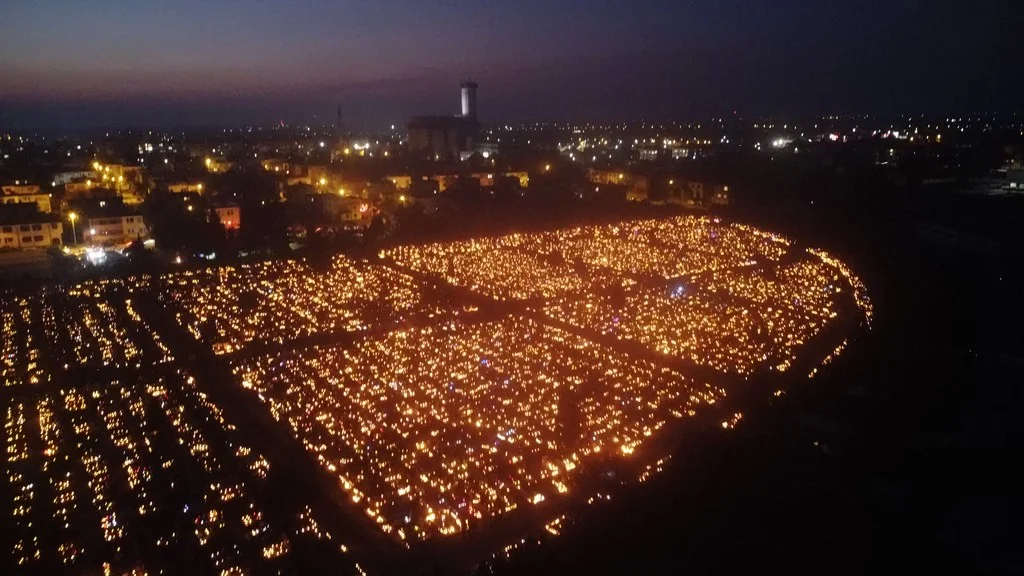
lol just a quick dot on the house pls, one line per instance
(278, 165)
(217, 165)
(401, 181)
(230, 215)
(488, 179)
(23, 226)
(110, 223)
(79, 188)
(62, 178)
(348, 211)
(128, 181)
(638, 188)
(181, 187)
(25, 193)
(308, 207)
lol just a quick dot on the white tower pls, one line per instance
(469, 99)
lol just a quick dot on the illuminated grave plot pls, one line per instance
(93, 324)
(665, 249)
(734, 244)
(20, 354)
(143, 478)
(495, 267)
(431, 431)
(274, 302)
(99, 324)
(734, 322)
(574, 261)
(727, 297)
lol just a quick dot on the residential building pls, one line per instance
(310, 207)
(277, 165)
(648, 153)
(230, 215)
(488, 179)
(128, 181)
(24, 193)
(62, 178)
(637, 187)
(23, 226)
(183, 187)
(124, 174)
(80, 188)
(351, 212)
(217, 165)
(112, 223)
(318, 173)
(720, 196)
(401, 182)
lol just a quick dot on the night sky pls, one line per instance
(162, 63)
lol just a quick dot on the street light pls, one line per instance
(72, 216)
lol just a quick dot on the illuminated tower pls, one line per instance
(469, 99)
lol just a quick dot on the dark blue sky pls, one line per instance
(92, 63)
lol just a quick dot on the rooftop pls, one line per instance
(24, 214)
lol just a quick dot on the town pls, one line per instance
(85, 206)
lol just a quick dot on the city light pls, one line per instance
(72, 216)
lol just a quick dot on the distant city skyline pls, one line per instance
(102, 63)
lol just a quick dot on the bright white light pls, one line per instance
(95, 255)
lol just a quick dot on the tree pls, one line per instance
(658, 192)
(169, 220)
(264, 226)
